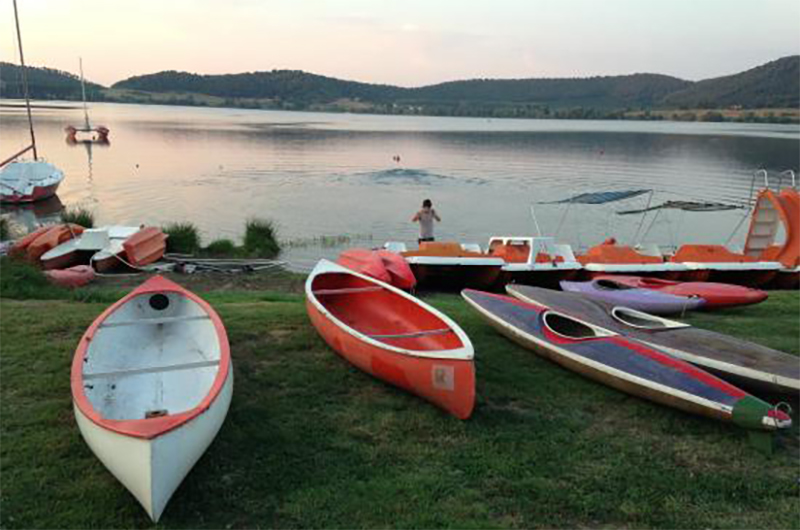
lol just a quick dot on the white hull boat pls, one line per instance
(152, 383)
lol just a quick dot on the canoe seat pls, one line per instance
(349, 290)
(413, 334)
(164, 320)
(152, 370)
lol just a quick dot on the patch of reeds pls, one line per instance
(184, 238)
(261, 238)
(78, 215)
(221, 248)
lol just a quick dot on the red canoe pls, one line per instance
(366, 262)
(398, 268)
(51, 238)
(393, 336)
(716, 295)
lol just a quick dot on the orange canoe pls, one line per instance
(393, 336)
(145, 246)
(51, 238)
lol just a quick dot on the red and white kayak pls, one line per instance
(393, 336)
(716, 295)
(151, 385)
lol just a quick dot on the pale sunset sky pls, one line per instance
(403, 42)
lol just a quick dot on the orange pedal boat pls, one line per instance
(393, 336)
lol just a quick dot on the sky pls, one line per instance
(403, 42)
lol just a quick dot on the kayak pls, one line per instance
(151, 386)
(732, 359)
(646, 300)
(716, 295)
(623, 363)
(393, 336)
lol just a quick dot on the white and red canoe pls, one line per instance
(393, 336)
(29, 181)
(151, 385)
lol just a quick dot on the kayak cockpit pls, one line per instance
(158, 354)
(640, 320)
(572, 328)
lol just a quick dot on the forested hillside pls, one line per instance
(44, 83)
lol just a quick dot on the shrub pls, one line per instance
(261, 238)
(3, 228)
(184, 238)
(221, 248)
(79, 216)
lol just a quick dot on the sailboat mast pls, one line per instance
(83, 94)
(25, 82)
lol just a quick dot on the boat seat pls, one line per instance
(413, 334)
(164, 320)
(348, 290)
(152, 370)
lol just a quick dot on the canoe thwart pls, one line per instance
(413, 334)
(164, 320)
(348, 290)
(155, 369)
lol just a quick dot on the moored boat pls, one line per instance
(716, 295)
(646, 300)
(28, 181)
(609, 257)
(393, 336)
(736, 360)
(623, 363)
(151, 385)
(450, 265)
(534, 260)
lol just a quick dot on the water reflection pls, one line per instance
(30, 216)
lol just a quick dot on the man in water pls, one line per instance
(425, 219)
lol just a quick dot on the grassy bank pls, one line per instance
(312, 442)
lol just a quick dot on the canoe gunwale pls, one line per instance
(464, 353)
(151, 427)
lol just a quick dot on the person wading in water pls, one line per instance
(425, 219)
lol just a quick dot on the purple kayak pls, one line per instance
(645, 300)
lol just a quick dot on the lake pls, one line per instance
(329, 180)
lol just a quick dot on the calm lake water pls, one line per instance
(331, 175)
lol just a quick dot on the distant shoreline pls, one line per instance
(789, 116)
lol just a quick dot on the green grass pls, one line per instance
(79, 216)
(312, 442)
(184, 238)
(261, 238)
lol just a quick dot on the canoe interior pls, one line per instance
(157, 354)
(382, 314)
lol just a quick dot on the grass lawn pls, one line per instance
(311, 442)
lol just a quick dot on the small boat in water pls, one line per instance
(393, 336)
(732, 359)
(716, 295)
(151, 385)
(86, 133)
(623, 363)
(646, 300)
(450, 265)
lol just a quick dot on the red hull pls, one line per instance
(369, 328)
(39, 194)
(716, 295)
(399, 271)
(145, 246)
(366, 262)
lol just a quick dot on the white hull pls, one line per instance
(152, 469)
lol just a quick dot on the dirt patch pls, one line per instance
(215, 281)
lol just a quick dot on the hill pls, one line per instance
(772, 85)
(44, 83)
